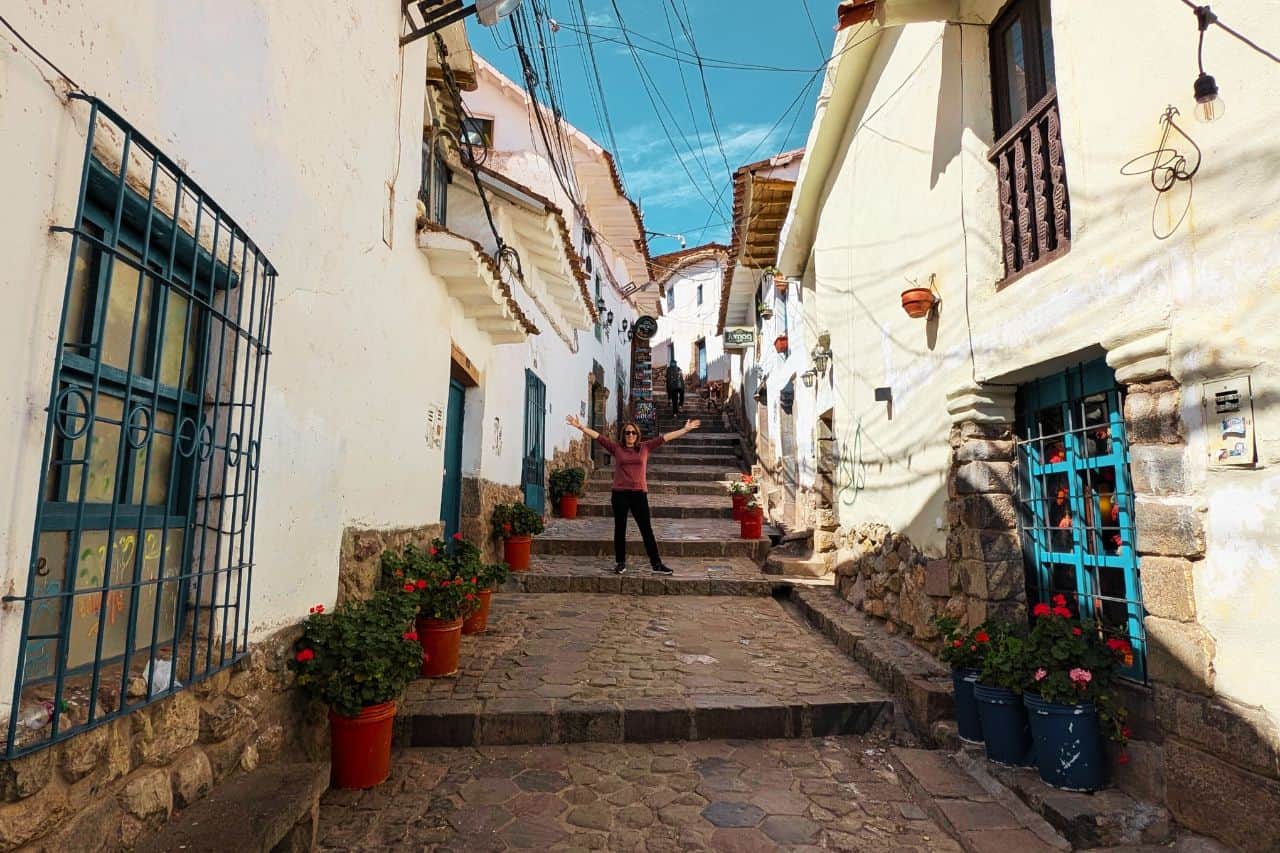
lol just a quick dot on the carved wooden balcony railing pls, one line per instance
(1035, 213)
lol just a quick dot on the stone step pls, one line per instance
(570, 668)
(815, 566)
(677, 473)
(603, 485)
(677, 537)
(597, 504)
(677, 450)
(723, 461)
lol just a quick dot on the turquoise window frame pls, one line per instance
(114, 556)
(1073, 452)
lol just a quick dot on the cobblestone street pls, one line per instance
(833, 794)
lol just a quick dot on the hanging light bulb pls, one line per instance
(1209, 106)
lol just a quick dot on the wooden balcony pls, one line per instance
(1035, 212)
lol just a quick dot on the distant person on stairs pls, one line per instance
(675, 388)
(631, 488)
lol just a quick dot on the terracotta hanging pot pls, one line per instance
(918, 301)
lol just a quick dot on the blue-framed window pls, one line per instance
(1076, 501)
(671, 296)
(142, 552)
(699, 294)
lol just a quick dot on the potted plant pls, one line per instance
(516, 524)
(739, 491)
(490, 576)
(780, 343)
(764, 311)
(436, 579)
(779, 281)
(964, 650)
(358, 660)
(1070, 695)
(1006, 729)
(918, 301)
(751, 523)
(566, 487)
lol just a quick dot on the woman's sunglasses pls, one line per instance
(629, 432)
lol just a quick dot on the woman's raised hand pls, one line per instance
(572, 420)
(690, 426)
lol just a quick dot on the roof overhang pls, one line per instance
(473, 278)
(852, 54)
(615, 218)
(664, 267)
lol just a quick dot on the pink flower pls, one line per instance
(1080, 677)
(1041, 674)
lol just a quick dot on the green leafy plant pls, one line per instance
(493, 575)
(1070, 661)
(363, 654)
(962, 648)
(567, 482)
(1005, 662)
(443, 581)
(515, 519)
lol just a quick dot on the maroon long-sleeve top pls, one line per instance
(630, 463)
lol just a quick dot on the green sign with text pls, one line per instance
(739, 338)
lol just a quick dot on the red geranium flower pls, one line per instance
(506, 528)
(957, 644)
(420, 584)
(1122, 758)
(399, 573)
(408, 587)
(1076, 631)
(1040, 609)
(410, 635)
(434, 551)
(304, 655)
(982, 637)
(1115, 644)
(1062, 611)
(470, 597)
(1059, 600)
(475, 579)
(457, 537)
(1124, 732)
(444, 583)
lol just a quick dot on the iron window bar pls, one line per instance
(136, 549)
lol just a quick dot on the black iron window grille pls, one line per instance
(434, 192)
(141, 561)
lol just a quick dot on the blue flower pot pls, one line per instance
(1068, 742)
(1005, 726)
(970, 727)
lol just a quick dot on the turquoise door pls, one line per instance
(702, 361)
(451, 493)
(535, 433)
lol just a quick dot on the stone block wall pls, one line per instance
(883, 574)
(479, 497)
(360, 558)
(106, 788)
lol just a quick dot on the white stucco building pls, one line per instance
(690, 281)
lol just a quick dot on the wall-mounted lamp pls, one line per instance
(608, 319)
(821, 358)
(1209, 107)
(625, 323)
(600, 304)
(809, 378)
(435, 15)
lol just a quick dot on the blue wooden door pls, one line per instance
(702, 361)
(535, 433)
(451, 492)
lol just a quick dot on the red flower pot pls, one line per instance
(478, 621)
(569, 506)
(752, 523)
(780, 343)
(361, 746)
(917, 301)
(440, 639)
(739, 506)
(515, 552)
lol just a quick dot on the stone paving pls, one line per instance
(565, 668)
(822, 794)
(692, 576)
(597, 503)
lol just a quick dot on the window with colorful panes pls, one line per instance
(1075, 502)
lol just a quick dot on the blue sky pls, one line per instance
(750, 106)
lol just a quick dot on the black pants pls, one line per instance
(677, 399)
(637, 503)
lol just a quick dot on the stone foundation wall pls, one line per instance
(360, 560)
(883, 574)
(104, 789)
(479, 497)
